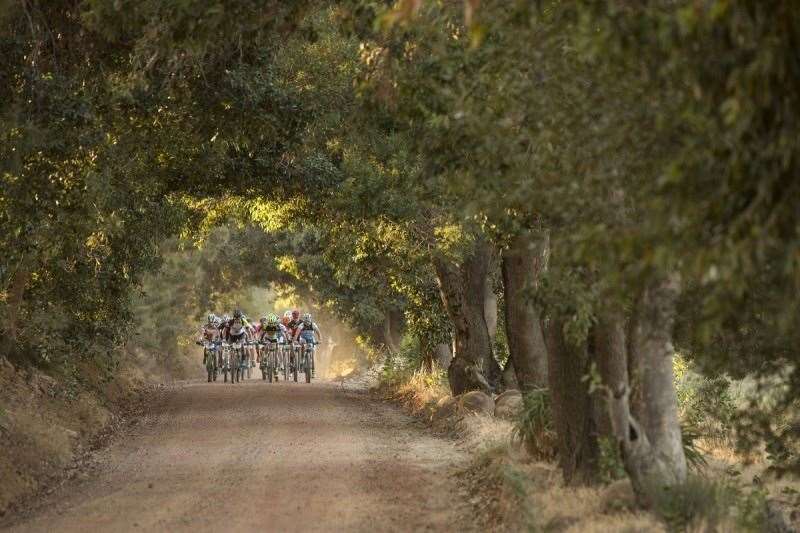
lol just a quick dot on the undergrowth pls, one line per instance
(533, 425)
(702, 504)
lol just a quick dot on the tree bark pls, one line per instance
(443, 355)
(652, 355)
(522, 264)
(16, 296)
(572, 411)
(490, 309)
(650, 444)
(462, 287)
(393, 329)
(510, 375)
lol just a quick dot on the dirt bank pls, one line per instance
(255, 456)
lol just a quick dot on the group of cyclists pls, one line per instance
(232, 344)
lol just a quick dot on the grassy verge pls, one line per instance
(49, 421)
(515, 485)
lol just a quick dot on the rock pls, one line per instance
(508, 404)
(445, 408)
(619, 496)
(476, 402)
(779, 519)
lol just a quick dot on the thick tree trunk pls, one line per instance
(651, 444)
(652, 355)
(573, 415)
(522, 264)
(462, 288)
(443, 355)
(510, 375)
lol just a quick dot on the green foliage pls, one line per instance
(533, 427)
(643, 139)
(611, 467)
(701, 504)
(400, 366)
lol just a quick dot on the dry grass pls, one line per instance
(515, 493)
(419, 393)
(509, 490)
(46, 423)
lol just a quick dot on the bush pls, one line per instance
(533, 426)
(705, 505)
(400, 367)
(611, 466)
(704, 402)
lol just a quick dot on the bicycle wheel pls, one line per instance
(295, 363)
(285, 362)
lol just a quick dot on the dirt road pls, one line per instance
(265, 457)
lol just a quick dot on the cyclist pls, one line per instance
(209, 332)
(269, 328)
(235, 327)
(222, 325)
(251, 351)
(236, 330)
(286, 318)
(307, 332)
(293, 324)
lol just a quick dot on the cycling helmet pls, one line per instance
(287, 314)
(306, 317)
(226, 317)
(272, 318)
(263, 319)
(238, 314)
(212, 318)
(295, 314)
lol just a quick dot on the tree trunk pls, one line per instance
(651, 446)
(510, 375)
(393, 329)
(522, 264)
(443, 355)
(572, 411)
(652, 355)
(16, 296)
(490, 310)
(462, 288)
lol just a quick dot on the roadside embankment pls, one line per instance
(515, 484)
(50, 421)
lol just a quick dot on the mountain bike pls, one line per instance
(225, 362)
(210, 360)
(284, 356)
(294, 359)
(236, 352)
(269, 360)
(307, 361)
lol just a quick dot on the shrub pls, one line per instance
(533, 426)
(610, 465)
(705, 505)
